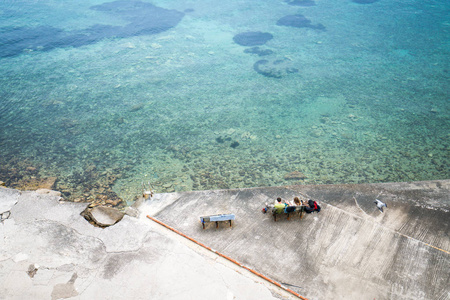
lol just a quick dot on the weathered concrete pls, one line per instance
(9, 199)
(49, 251)
(348, 251)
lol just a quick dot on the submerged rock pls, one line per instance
(139, 18)
(299, 21)
(252, 38)
(234, 144)
(364, 1)
(275, 68)
(296, 175)
(303, 3)
(258, 51)
(137, 107)
(34, 183)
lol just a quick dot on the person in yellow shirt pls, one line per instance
(279, 205)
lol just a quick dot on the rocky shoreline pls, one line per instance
(93, 186)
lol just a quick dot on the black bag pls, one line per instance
(309, 210)
(290, 209)
(318, 207)
(314, 206)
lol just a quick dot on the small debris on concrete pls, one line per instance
(32, 270)
(5, 215)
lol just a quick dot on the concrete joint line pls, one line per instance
(229, 259)
(356, 202)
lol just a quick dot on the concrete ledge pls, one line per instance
(348, 251)
(49, 251)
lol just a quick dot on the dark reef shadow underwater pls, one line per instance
(143, 19)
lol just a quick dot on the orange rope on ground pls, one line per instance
(228, 258)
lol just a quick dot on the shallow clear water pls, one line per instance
(165, 95)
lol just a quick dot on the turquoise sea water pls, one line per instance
(107, 95)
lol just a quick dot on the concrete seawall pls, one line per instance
(348, 251)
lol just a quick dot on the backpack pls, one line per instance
(314, 205)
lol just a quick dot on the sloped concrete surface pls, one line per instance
(348, 251)
(49, 251)
(9, 199)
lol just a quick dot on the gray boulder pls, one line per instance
(105, 216)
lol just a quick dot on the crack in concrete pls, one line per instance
(6, 259)
(89, 282)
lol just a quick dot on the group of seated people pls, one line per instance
(287, 207)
